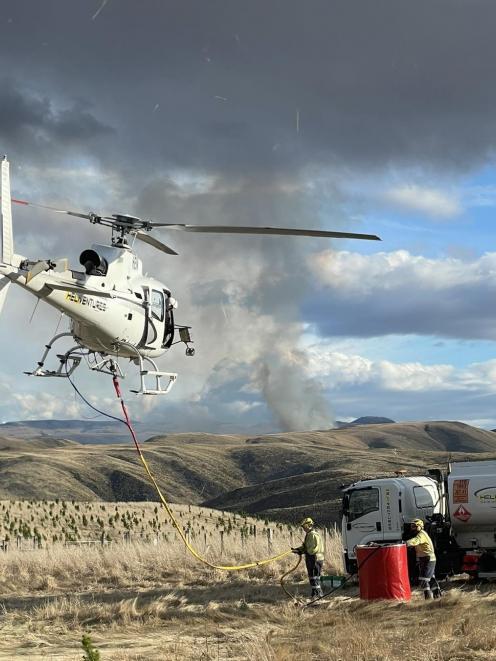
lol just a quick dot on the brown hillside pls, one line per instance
(280, 474)
(25, 445)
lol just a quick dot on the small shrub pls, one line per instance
(91, 654)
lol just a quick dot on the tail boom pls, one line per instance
(6, 235)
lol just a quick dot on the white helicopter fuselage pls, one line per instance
(118, 312)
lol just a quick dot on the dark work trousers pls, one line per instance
(314, 569)
(427, 578)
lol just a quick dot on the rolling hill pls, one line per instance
(102, 430)
(81, 431)
(281, 475)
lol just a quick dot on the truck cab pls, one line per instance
(377, 510)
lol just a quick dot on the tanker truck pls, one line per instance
(458, 507)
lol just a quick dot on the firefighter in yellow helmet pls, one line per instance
(426, 558)
(313, 550)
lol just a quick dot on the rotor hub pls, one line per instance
(126, 220)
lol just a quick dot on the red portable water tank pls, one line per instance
(383, 572)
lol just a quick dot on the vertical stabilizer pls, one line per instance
(7, 241)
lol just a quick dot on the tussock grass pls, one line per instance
(128, 565)
(58, 567)
(457, 627)
(144, 601)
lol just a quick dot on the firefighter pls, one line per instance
(313, 550)
(426, 558)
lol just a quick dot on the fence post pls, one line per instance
(19, 541)
(270, 534)
(222, 542)
(188, 539)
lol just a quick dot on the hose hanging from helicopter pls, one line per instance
(127, 422)
(175, 523)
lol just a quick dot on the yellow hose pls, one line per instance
(192, 550)
(175, 522)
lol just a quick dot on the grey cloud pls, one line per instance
(18, 111)
(449, 404)
(78, 124)
(374, 82)
(462, 311)
(30, 122)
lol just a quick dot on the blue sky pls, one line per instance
(366, 117)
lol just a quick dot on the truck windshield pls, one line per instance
(362, 501)
(424, 497)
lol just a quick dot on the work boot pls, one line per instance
(428, 594)
(437, 593)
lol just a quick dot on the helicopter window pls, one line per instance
(157, 305)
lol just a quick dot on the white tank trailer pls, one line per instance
(458, 508)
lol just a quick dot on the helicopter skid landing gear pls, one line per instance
(67, 361)
(158, 390)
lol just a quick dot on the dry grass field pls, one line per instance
(144, 601)
(118, 572)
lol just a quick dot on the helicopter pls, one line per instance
(116, 313)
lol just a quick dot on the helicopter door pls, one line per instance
(155, 321)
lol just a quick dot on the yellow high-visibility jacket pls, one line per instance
(313, 545)
(423, 545)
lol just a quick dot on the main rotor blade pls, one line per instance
(206, 229)
(152, 241)
(87, 216)
(235, 229)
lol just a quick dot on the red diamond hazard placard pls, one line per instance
(462, 513)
